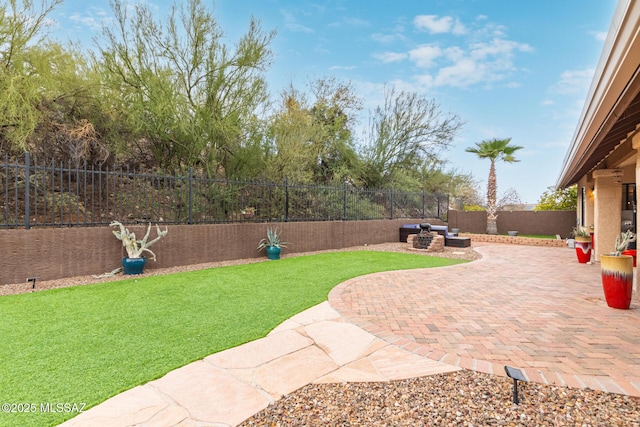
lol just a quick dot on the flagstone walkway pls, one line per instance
(226, 388)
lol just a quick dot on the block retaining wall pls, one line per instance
(547, 223)
(55, 253)
(515, 240)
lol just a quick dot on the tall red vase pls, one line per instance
(583, 249)
(617, 280)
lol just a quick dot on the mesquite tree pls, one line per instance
(188, 99)
(404, 132)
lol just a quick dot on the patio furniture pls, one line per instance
(408, 229)
(451, 239)
(457, 242)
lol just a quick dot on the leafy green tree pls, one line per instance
(311, 134)
(48, 91)
(291, 154)
(72, 126)
(334, 115)
(435, 178)
(474, 208)
(25, 73)
(187, 99)
(494, 150)
(404, 132)
(562, 199)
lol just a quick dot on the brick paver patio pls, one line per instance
(533, 308)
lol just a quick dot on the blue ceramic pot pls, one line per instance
(133, 265)
(273, 252)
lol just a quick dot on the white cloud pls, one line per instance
(387, 38)
(458, 28)
(356, 22)
(290, 22)
(438, 25)
(464, 72)
(388, 57)
(599, 35)
(497, 48)
(424, 80)
(567, 112)
(343, 67)
(85, 21)
(93, 19)
(481, 62)
(349, 22)
(425, 55)
(484, 56)
(288, 16)
(322, 50)
(297, 28)
(573, 82)
(454, 53)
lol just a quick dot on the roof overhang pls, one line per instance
(612, 109)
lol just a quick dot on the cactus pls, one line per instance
(135, 248)
(622, 241)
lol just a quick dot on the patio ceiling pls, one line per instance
(612, 109)
(609, 140)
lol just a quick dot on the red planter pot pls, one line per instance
(617, 280)
(631, 252)
(583, 249)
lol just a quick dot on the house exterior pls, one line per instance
(603, 156)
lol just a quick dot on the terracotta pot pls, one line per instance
(583, 249)
(617, 280)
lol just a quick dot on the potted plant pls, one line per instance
(582, 244)
(272, 244)
(134, 262)
(617, 273)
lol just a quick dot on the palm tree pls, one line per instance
(494, 149)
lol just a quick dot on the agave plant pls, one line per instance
(580, 231)
(272, 239)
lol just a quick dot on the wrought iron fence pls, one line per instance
(54, 195)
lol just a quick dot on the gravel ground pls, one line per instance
(17, 288)
(462, 398)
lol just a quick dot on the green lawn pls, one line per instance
(85, 344)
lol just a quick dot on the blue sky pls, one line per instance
(508, 68)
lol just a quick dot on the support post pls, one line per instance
(27, 196)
